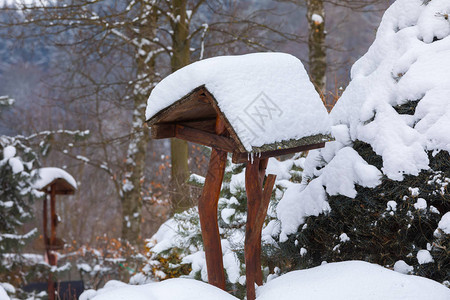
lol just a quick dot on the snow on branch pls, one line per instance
(6, 101)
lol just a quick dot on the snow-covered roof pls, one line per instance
(47, 176)
(397, 102)
(267, 98)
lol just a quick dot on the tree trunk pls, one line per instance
(137, 149)
(180, 195)
(132, 186)
(316, 43)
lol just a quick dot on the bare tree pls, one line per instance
(111, 54)
(316, 44)
(107, 30)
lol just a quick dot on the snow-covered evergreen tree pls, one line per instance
(16, 197)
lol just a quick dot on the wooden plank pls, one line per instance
(193, 135)
(293, 143)
(239, 157)
(162, 131)
(208, 125)
(60, 186)
(204, 138)
(193, 106)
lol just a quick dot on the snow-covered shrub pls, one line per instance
(380, 191)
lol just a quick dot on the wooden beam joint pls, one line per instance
(193, 135)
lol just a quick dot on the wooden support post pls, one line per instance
(44, 216)
(207, 208)
(51, 256)
(53, 219)
(257, 204)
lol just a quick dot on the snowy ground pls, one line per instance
(3, 295)
(351, 280)
(344, 280)
(177, 288)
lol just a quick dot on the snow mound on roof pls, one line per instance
(351, 280)
(408, 63)
(171, 289)
(48, 175)
(266, 97)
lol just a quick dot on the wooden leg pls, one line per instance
(51, 283)
(207, 208)
(257, 204)
(48, 252)
(53, 217)
(52, 256)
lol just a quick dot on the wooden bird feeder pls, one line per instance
(198, 117)
(53, 181)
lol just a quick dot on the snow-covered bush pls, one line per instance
(379, 192)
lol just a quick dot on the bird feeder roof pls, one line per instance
(62, 182)
(266, 100)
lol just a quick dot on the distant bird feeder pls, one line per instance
(253, 106)
(53, 181)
